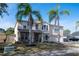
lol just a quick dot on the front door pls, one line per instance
(24, 36)
(37, 37)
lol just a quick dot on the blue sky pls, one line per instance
(67, 21)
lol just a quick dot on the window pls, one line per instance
(56, 30)
(46, 37)
(24, 27)
(36, 26)
(45, 27)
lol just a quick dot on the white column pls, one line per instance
(42, 37)
(32, 36)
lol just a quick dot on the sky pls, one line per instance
(67, 21)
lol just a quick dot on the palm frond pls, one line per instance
(23, 6)
(77, 23)
(38, 15)
(19, 15)
(52, 15)
(3, 9)
(52, 12)
(23, 10)
(65, 12)
(57, 6)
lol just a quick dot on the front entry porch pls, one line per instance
(24, 36)
(37, 36)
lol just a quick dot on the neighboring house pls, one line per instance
(40, 33)
(55, 32)
(66, 35)
(75, 35)
(72, 37)
(2, 35)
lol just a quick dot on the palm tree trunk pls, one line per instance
(30, 29)
(30, 35)
(59, 30)
(42, 32)
(42, 38)
(55, 22)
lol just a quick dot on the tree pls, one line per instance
(66, 32)
(54, 14)
(9, 31)
(25, 10)
(3, 9)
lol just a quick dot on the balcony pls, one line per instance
(36, 27)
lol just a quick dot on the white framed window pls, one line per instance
(24, 26)
(36, 26)
(56, 29)
(45, 27)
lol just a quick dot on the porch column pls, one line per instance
(42, 37)
(32, 36)
(19, 36)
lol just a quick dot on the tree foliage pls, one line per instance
(54, 14)
(25, 10)
(3, 9)
(66, 32)
(10, 31)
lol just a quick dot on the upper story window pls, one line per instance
(36, 26)
(45, 27)
(27, 24)
(56, 30)
(24, 26)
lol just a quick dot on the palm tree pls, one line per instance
(3, 9)
(54, 14)
(77, 25)
(25, 10)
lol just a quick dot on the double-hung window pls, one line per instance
(24, 26)
(56, 29)
(45, 27)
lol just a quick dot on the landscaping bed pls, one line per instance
(23, 49)
(41, 49)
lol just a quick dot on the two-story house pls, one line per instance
(40, 32)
